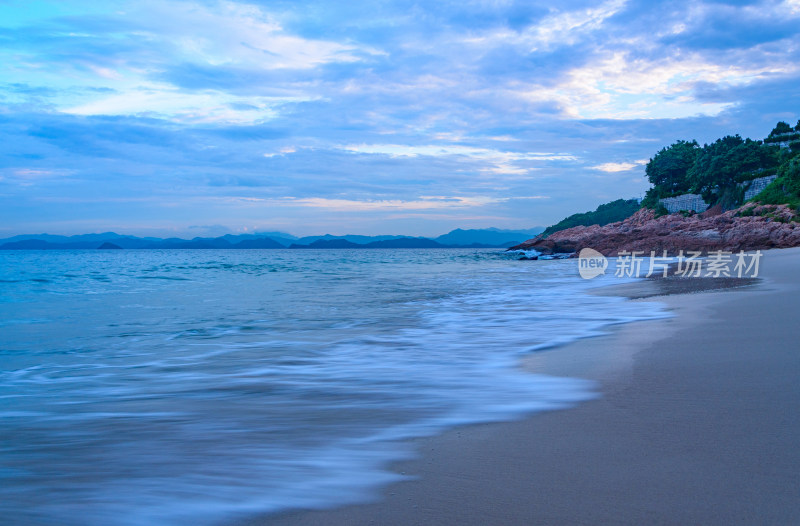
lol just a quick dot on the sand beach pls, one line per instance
(697, 422)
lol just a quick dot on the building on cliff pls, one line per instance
(754, 187)
(783, 140)
(694, 202)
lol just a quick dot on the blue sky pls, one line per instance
(208, 117)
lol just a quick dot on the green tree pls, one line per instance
(724, 163)
(603, 215)
(667, 170)
(786, 188)
(780, 128)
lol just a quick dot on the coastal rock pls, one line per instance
(751, 227)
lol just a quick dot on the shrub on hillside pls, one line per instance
(603, 215)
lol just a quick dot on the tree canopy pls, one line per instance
(780, 128)
(716, 169)
(668, 168)
(786, 188)
(603, 215)
(728, 161)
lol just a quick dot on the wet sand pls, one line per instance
(698, 422)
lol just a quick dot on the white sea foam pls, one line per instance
(264, 380)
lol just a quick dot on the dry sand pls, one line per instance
(698, 423)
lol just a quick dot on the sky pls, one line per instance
(199, 118)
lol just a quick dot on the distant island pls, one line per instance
(474, 238)
(733, 194)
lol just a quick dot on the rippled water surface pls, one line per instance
(174, 387)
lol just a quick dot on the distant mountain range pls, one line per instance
(476, 238)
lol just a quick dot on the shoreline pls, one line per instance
(694, 425)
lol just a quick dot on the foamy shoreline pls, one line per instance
(695, 425)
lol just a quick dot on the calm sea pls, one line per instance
(175, 387)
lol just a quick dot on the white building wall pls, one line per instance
(693, 202)
(757, 185)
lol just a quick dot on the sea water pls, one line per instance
(195, 386)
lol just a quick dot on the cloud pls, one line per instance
(620, 61)
(621, 86)
(378, 205)
(618, 167)
(254, 112)
(490, 160)
(486, 160)
(166, 102)
(283, 151)
(560, 28)
(721, 26)
(30, 174)
(564, 28)
(133, 52)
(398, 150)
(227, 32)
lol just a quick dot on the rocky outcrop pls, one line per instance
(751, 227)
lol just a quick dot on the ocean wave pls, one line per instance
(235, 392)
